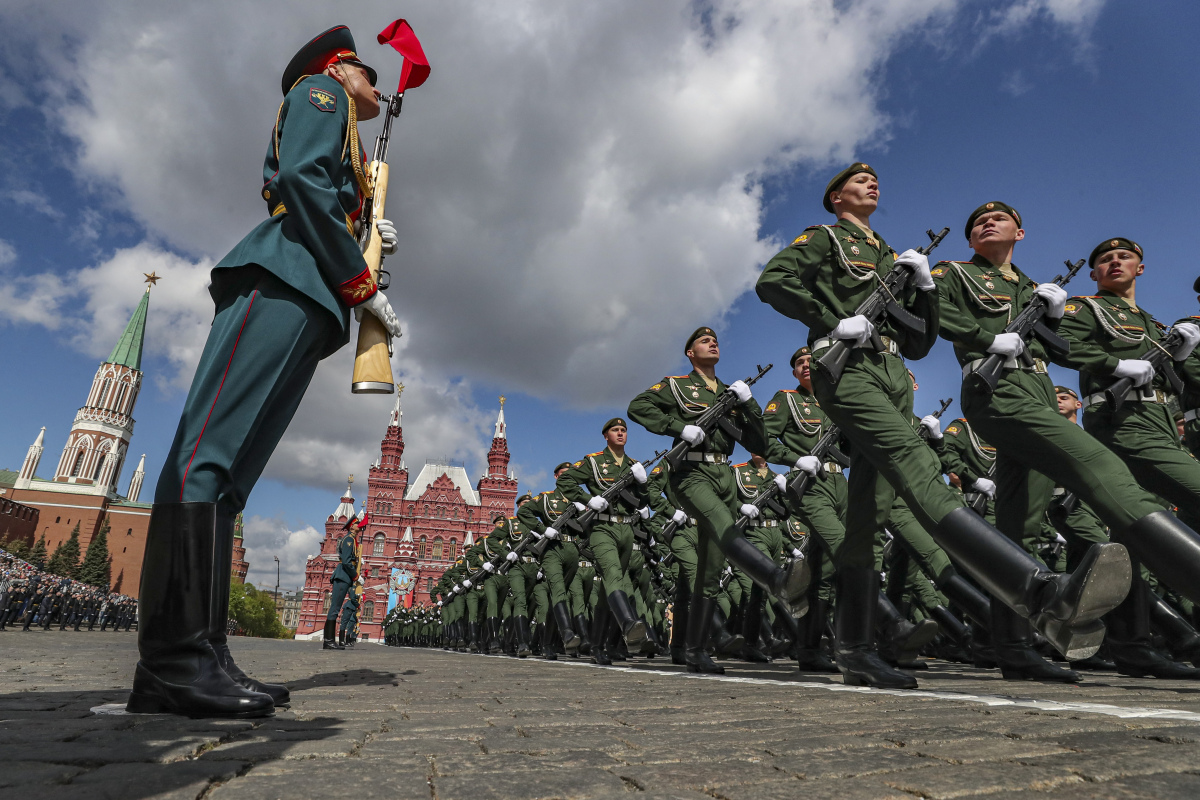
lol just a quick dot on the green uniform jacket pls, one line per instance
(309, 172)
(540, 512)
(750, 484)
(596, 472)
(347, 568)
(675, 401)
(507, 534)
(965, 454)
(810, 281)
(979, 302)
(1102, 330)
(794, 423)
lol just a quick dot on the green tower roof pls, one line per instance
(128, 352)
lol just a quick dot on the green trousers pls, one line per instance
(929, 557)
(612, 545)
(707, 493)
(337, 596)
(823, 509)
(473, 598)
(872, 404)
(559, 565)
(581, 589)
(683, 545)
(521, 580)
(495, 590)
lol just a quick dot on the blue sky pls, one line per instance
(1087, 129)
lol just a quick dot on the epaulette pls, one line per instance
(738, 466)
(676, 377)
(598, 452)
(788, 391)
(1086, 297)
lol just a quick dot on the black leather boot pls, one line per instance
(1130, 645)
(1015, 656)
(1170, 549)
(723, 641)
(521, 626)
(632, 628)
(600, 624)
(696, 653)
(179, 672)
(900, 641)
(495, 644)
(475, 644)
(854, 650)
(752, 624)
(1066, 608)
(789, 585)
(1181, 637)
(810, 656)
(562, 618)
(329, 640)
(679, 623)
(581, 629)
(974, 603)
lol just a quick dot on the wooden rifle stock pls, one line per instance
(372, 357)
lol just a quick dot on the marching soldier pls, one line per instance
(821, 279)
(683, 544)
(342, 579)
(764, 532)
(561, 560)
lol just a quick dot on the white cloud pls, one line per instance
(264, 539)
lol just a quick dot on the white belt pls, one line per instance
(832, 466)
(618, 518)
(1188, 416)
(889, 345)
(528, 560)
(764, 523)
(585, 564)
(1039, 366)
(711, 458)
(1138, 395)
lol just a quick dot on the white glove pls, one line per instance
(360, 581)
(650, 543)
(1190, 332)
(857, 329)
(741, 390)
(985, 486)
(466, 584)
(692, 434)
(809, 464)
(781, 482)
(378, 305)
(597, 503)
(922, 279)
(580, 507)
(1007, 345)
(540, 575)
(1141, 371)
(932, 424)
(551, 532)
(796, 553)
(639, 472)
(644, 512)
(487, 566)
(387, 237)
(457, 588)
(1058, 538)
(512, 556)
(750, 510)
(439, 603)
(680, 517)
(1055, 297)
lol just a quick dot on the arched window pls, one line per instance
(78, 465)
(99, 465)
(379, 542)
(103, 391)
(327, 598)
(121, 397)
(369, 611)
(453, 552)
(429, 586)
(421, 548)
(437, 549)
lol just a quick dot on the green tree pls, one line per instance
(96, 568)
(37, 556)
(65, 561)
(19, 548)
(255, 612)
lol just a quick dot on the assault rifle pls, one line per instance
(657, 576)
(1160, 358)
(923, 433)
(884, 302)
(1062, 506)
(978, 501)
(713, 417)
(1030, 322)
(765, 499)
(826, 449)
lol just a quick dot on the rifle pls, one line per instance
(765, 499)
(714, 416)
(1062, 507)
(824, 450)
(1031, 321)
(657, 576)
(923, 433)
(978, 501)
(883, 303)
(1160, 358)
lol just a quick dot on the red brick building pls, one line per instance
(420, 526)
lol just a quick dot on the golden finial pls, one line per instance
(151, 278)
(399, 389)
(502, 399)
(351, 480)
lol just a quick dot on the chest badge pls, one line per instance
(854, 249)
(695, 395)
(807, 410)
(990, 285)
(1122, 316)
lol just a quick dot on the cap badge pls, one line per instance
(990, 206)
(1113, 243)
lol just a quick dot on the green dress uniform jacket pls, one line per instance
(560, 563)
(347, 568)
(967, 456)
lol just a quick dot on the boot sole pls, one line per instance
(636, 635)
(148, 704)
(1075, 643)
(1105, 586)
(854, 679)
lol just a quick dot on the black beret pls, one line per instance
(803, 351)
(703, 330)
(1066, 390)
(840, 179)
(1196, 286)
(994, 205)
(524, 497)
(499, 517)
(1114, 244)
(612, 423)
(563, 465)
(337, 39)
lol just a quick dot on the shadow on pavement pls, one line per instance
(350, 677)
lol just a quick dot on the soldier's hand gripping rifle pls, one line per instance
(1162, 358)
(1030, 322)
(883, 303)
(766, 499)
(713, 417)
(826, 449)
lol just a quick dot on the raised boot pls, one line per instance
(696, 652)
(1181, 637)
(854, 648)
(1066, 608)
(633, 630)
(329, 640)
(178, 672)
(1130, 645)
(521, 625)
(900, 641)
(1014, 652)
(789, 584)
(1170, 549)
(562, 618)
(752, 624)
(974, 603)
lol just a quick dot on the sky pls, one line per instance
(576, 188)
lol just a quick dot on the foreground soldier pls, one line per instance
(283, 297)
(821, 280)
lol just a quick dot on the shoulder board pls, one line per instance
(598, 452)
(1086, 297)
(1159, 325)
(739, 466)
(676, 377)
(787, 391)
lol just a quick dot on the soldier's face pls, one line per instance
(705, 350)
(354, 80)
(995, 228)
(758, 461)
(803, 371)
(616, 436)
(559, 472)
(1067, 404)
(860, 194)
(1117, 269)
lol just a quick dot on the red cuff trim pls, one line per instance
(358, 289)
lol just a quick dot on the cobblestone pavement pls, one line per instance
(404, 723)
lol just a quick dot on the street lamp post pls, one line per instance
(277, 603)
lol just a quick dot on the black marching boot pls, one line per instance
(723, 641)
(329, 640)
(1015, 656)
(495, 632)
(679, 624)
(1170, 549)
(789, 585)
(548, 650)
(752, 624)
(974, 603)
(582, 626)
(521, 624)
(562, 618)
(633, 630)
(1065, 608)
(179, 672)
(701, 614)
(854, 650)
(957, 636)
(900, 641)
(1181, 637)
(810, 656)
(600, 625)
(1130, 645)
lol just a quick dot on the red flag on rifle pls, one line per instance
(416, 67)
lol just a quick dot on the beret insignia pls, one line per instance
(322, 99)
